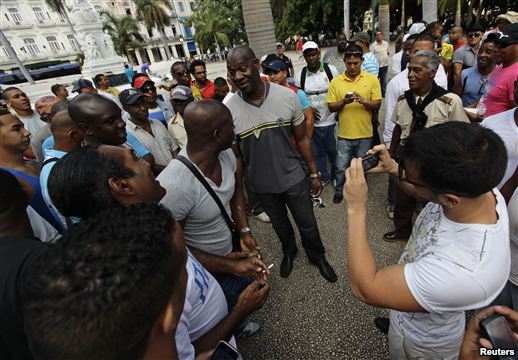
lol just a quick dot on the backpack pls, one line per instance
(303, 76)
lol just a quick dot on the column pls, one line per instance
(150, 55)
(139, 57)
(163, 53)
(174, 53)
(186, 49)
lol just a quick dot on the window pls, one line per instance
(39, 14)
(31, 46)
(98, 8)
(128, 11)
(173, 29)
(53, 42)
(182, 8)
(15, 15)
(73, 42)
(188, 32)
(61, 17)
(3, 51)
(192, 6)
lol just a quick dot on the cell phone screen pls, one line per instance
(224, 351)
(496, 329)
(370, 161)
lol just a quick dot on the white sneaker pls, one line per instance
(263, 217)
(250, 329)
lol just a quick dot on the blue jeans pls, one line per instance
(324, 147)
(347, 149)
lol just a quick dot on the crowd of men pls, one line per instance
(124, 215)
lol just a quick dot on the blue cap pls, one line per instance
(276, 65)
(81, 84)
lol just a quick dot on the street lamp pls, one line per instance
(180, 38)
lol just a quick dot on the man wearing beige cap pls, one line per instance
(181, 96)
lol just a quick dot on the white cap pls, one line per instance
(309, 45)
(416, 28)
(405, 37)
(263, 58)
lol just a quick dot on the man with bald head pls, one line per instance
(101, 122)
(210, 130)
(266, 116)
(67, 137)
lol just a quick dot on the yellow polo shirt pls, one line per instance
(354, 120)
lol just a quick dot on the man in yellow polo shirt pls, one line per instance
(354, 95)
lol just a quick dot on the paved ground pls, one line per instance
(305, 316)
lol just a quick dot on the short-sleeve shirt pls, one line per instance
(473, 84)
(160, 144)
(451, 267)
(205, 227)
(334, 58)
(44, 179)
(370, 64)
(443, 109)
(381, 51)
(32, 123)
(176, 128)
(264, 136)
(316, 87)
(354, 120)
(207, 92)
(465, 56)
(447, 51)
(499, 96)
(303, 99)
(205, 306)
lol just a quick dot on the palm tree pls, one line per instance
(59, 7)
(124, 32)
(211, 30)
(154, 14)
(458, 13)
(258, 18)
(347, 19)
(403, 20)
(384, 18)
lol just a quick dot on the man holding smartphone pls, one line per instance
(458, 255)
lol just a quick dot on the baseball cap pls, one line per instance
(511, 16)
(309, 45)
(275, 65)
(140, 81)
(130, 96)
(361, 36)
(508, 36)
(416, 28)
(81, 84)
(181, 92)
(279, 44)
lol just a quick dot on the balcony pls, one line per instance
(6, 60)
(46, 23)
(21, 25)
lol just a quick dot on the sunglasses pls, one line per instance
(402, 177)
(182, 72)
(474, 35)
(148, 89)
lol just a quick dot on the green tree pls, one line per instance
(154, 14)
(211, 31)
(124, 32)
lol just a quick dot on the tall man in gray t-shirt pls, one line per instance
(266, 117)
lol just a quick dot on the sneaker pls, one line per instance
(337, 199)
(324, 183)
(263, 217)
(390, 212)
(249, 329)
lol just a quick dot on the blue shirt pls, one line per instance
(129, 73)
(44, 178)
(473, 84)
(303, 99)
(130, 139)
(370, 64)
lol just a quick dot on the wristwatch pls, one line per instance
(315, 175)
(245, 230)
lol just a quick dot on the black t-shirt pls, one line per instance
(16, 256)
(286, 60)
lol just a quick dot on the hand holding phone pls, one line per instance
(224, 351)
(370, 161)
(496, 329)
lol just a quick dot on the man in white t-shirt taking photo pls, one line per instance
(457, 257)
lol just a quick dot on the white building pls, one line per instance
(38, 34)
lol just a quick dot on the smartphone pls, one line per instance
(370, 161)
(224, 351)
(496, 329)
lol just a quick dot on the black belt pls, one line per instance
(316, 93)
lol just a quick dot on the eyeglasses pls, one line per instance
(182, 72)
(148, 89)
(318, 201)
(201, 73)
(474, 35)
(402, 178)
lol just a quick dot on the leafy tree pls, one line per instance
(211, 31)
(154, 14)
(124, 32)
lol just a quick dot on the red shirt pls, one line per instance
(208, 91)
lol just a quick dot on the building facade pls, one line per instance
(38, 34)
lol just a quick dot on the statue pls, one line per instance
(89, 46)
(108, 43)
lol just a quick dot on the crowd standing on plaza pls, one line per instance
(124, 216)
